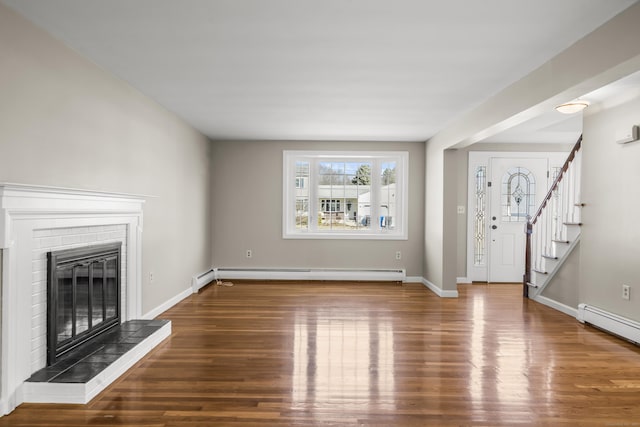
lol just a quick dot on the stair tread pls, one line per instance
(533, 285)
(549, 256)
(539, 271)
(572, 223)
(560, 241)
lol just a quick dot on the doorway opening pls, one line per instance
(504, 188)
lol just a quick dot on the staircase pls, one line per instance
(554, 230)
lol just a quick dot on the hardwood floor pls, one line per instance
(381, 354)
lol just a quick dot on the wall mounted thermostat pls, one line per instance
(626, 136)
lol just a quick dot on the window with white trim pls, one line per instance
(345, 195)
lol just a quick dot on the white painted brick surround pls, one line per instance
(33, 221)
(55, 239)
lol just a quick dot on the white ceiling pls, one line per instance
(555, 127)
(319, 70)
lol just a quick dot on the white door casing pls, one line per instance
(502, 260)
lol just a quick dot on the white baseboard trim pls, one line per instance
(4, 407)
(439, 291)
(310, 274)
(463, 280)
(168, 304)
(573, 312)
(413, 279)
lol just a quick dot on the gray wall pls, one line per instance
(436, 255)
(56, 106)
(610, 245)
(247, 212)
(564, 287)
(450, 214)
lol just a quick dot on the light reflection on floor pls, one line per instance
(338, 359)
(484, 355)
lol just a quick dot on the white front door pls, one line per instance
(517, 187)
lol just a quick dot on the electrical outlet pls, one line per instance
(626, 292)
(461, 210)
(150, 277)
(249, 253)
(398, 255)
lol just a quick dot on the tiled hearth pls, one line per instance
(82, 373)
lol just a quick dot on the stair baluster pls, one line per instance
(547, 233)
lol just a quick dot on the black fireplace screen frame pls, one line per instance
(62, 267)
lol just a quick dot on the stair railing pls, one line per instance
(548, 225)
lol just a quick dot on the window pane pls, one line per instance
(337, 180)
(387, 211)
(324, 173)
(364, 210)
(359, 181)
(518, 194)
(302, 195)
(337, 168)
(341, 184)
(388, 173)
(479, 224)
(361, 173)
(332, 214)
(346, 193)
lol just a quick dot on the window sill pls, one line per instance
(344, 236)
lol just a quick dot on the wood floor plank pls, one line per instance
(378, 354)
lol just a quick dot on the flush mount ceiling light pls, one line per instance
(573, 106)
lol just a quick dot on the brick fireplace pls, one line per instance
(34, 221)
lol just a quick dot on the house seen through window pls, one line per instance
(345, 195)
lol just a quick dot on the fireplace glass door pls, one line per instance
(83, 296)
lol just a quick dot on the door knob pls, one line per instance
(493, 227)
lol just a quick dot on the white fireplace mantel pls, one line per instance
(26, 208)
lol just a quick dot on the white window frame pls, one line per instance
(376, 158)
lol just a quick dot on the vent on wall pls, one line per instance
(610, 322)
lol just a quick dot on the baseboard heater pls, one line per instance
(610, 322)
(202, 279)
(310, 274)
